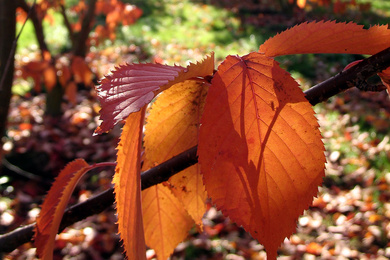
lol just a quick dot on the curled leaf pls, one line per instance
(54, 205)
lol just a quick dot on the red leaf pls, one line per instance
(132, 86)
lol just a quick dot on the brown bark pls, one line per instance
(7, 51)
(80, 48)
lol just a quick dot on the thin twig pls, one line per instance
(26, 174)
(67, 24)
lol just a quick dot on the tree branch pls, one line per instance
(67, 24)
(81, 44)
(319, 93)
(354, 76)
(37, 25)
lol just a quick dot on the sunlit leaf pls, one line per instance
(81, 71)
(50, 77)
(35, 69)
(54, 205)
(260, 149)
(127, 180)
(166, 222)
(301, 3)
(172, 127)
(328, 37)
(132, 86)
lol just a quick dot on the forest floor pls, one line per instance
(349, 219)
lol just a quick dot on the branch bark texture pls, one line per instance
(319, 93)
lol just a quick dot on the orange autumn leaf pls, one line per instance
(127, 181)
(104, 7)
(35, 69)
(166, 222)
(50, 77)
(301, 3)
(54, 205)
(21, 15)
(71, 92)
(113, 18)
(131, 14)
(64, 75)
(328, 37)
(40, 71)
(172, 127)
(259, 138)
(131, 86)
(81, 71)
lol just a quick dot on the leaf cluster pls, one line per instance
(260, 153)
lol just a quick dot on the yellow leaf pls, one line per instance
(328, 37)
(260, 149)
(188, 187)
(127, 182)
(166, 222)
(172, 127)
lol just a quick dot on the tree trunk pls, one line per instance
(54, 101)
(80, 49)
(7, 36)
